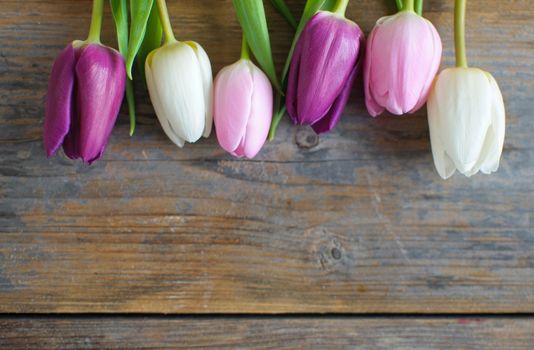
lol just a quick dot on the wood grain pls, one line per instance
(357, 221)
(254, 333)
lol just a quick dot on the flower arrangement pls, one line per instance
(399, 61)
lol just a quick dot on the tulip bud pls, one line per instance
(243, 106)
(467, 121)
(402, 59)
(85, 93)
(322, 71)
(180, 85)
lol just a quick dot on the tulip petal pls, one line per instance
(100, 84)
(177, 81)
(488, 148)
(444, 164)
(232, 104)
(260, 115)
(412, 59)
(292, 83)
(433, 67)
(473, 113)
(71, 144)
(58, 110)
(496, 131)
(373, 107)
(207, 82)
(156, 103)
(332, 117)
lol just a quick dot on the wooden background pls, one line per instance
(350, 240)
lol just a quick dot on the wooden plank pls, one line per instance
(278, 333)
(357, 221)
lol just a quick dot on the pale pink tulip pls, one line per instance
(402, 59)
(243, 108)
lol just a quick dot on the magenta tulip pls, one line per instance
(85, 92)
(242, 108)
(402, 59)
(323, 69)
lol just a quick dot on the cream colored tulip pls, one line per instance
(180, 85)
(467, 122)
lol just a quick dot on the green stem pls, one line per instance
(281, 6)
(245, 53)
(459, 33)
(130, 100)
(408, 5)
(340, 7)
(279, 113)
(165, 22)
(399, 5)
(96, 21)
(419, 7)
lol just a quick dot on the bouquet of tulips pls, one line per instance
(399, 61)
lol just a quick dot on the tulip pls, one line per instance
(85, 93)
(402, 58)
(466, 115)
(466, 118)
(180, 85)
(243, 106)
(323, 69)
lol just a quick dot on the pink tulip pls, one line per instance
(243, 107)
(402, 59)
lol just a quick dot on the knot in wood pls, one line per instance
(306, 138)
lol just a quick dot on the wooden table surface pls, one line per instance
(347, 240)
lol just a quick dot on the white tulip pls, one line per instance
(180, 85)
(467, 121)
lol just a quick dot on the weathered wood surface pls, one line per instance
(253, 333)
(358, 221)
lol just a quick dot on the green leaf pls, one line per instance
(119, 10)
(399, 5)
(310, 9)
(251, 15)
(281, 7)
(152, 40)
(139, 12)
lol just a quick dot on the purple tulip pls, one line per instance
(323, 69)
(85, 93)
